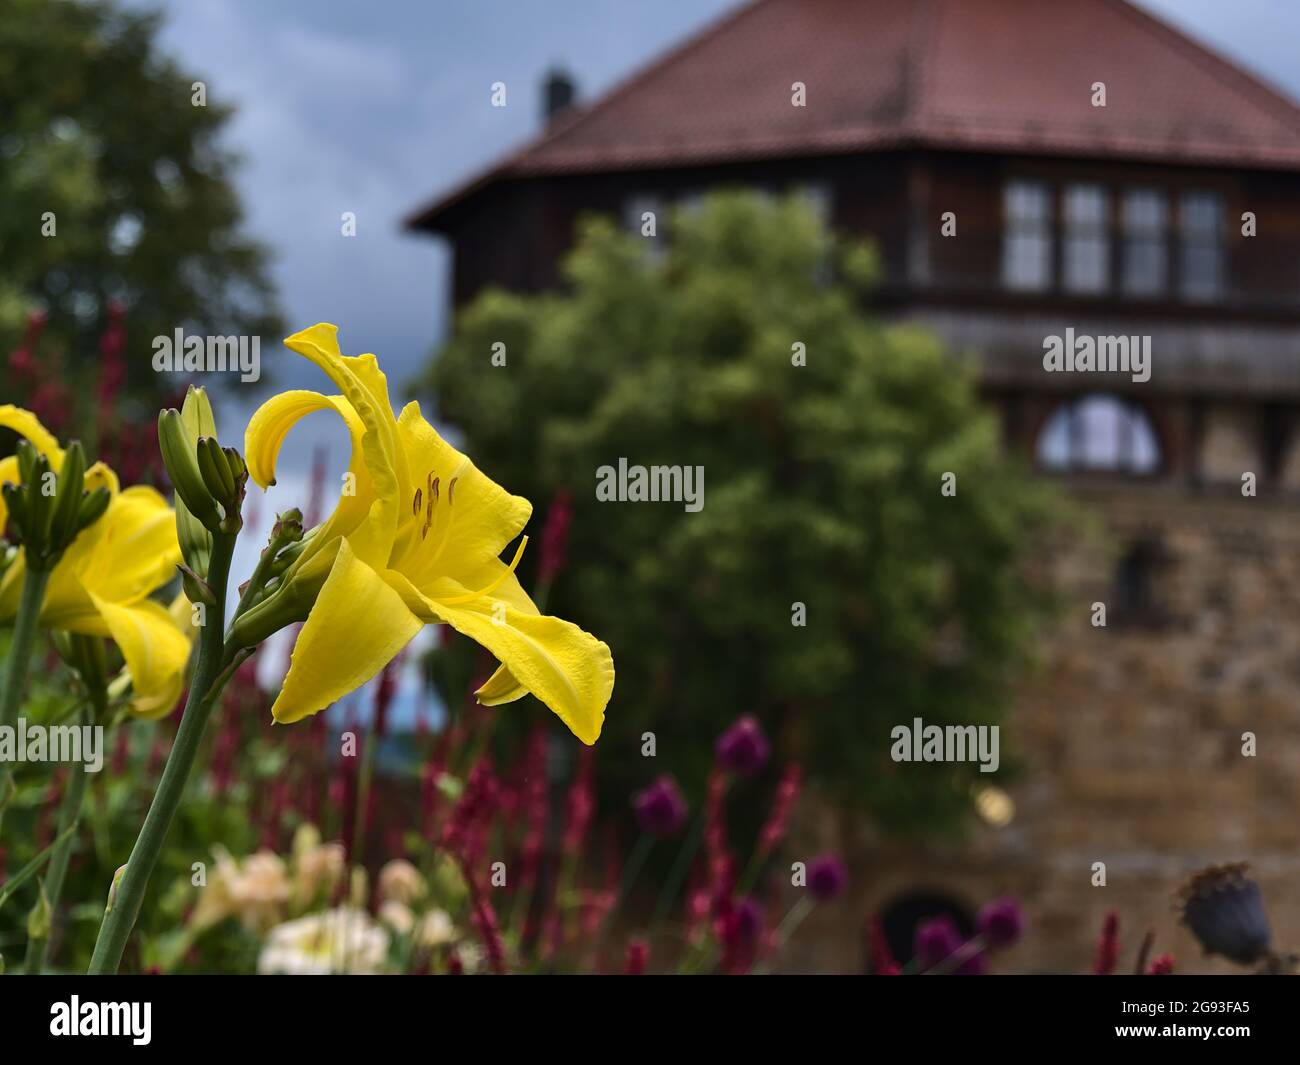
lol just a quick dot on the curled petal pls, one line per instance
(267, 429)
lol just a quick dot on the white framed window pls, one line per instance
(1027, 236)
(1200, 223)
(1099, 432)
(1085, 264)
(1144, 218)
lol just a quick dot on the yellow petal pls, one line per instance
(101, 476)
(473, 517)
(500, 688)
(123, 558)
(366, 389)
(568, 669)
(266, 432)
(136, 551)
(152, 705)
(156, 651)
(8, 473)
(357, 626)
(25, 423)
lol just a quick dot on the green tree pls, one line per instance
(102, 144)
(823, 487)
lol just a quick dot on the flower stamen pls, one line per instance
(490, 588)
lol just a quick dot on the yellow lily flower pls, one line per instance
(417, 542)
(101, 585)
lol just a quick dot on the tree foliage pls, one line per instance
(822, 487)
(100, 131)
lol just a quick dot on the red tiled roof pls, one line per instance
(993, 75)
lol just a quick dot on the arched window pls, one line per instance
(1099, 432)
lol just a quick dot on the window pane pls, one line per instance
(1027, 236)
(1201, 259)
(1145, 220)
(1087, 239)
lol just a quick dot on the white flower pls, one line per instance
(336, 941)
(397, 915)
(435, 929)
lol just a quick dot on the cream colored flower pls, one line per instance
(254, 890)
(401, 881)
(435, 929)
(318, 869)
(398, 916)
(336, 941)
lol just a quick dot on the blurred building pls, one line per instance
(1026, 169)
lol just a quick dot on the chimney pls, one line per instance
(558, 92)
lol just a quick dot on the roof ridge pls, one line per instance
(1220, 66)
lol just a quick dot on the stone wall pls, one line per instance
(1132, 736)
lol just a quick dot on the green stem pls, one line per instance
(124, 907)
(20, 650)
(74, 792)
(677, 874)
(20, 653)
(631, 871)
(74, 797)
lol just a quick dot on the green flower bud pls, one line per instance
(197, 590)
(67, 502)
(288, 603)
(180, 456)
(26, 455)
(216, 471)
(16, 501)
(112, 889)
(39, 918)
(47, 508)
(40, 509)
(92, 507)
(287, 528)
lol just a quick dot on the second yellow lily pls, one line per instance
(102, 584)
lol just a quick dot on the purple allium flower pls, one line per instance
(747, 922)
(937, 940)
(660, 809)
(1225, 911)
(1000, 922)
(827, 877)
(743, 748)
